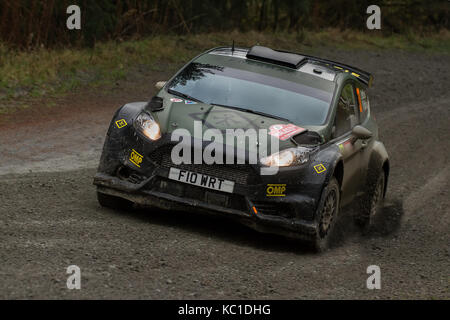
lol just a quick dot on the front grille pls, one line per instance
(239, 173)
(212, 197)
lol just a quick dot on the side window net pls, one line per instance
(346, 118)
(364, 104)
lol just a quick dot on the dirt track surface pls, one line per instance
(50, 219)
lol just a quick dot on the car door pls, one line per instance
(346, 117)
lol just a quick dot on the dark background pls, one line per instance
(30, 23)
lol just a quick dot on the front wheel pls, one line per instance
(327, 212)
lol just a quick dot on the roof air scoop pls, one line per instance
(290, 60)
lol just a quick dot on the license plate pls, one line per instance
(201, 180)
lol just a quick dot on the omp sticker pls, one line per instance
(284, 131)
(189, 102)
(320, 168)
(176, 100)
(121, 123)
(341, 147)
(136, 158)
(275, 190)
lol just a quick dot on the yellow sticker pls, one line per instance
(121, 123)
(320, 168)
(136, 158)
(341, 147)
(355, 74)
(276, 190)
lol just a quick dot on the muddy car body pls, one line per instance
(329, 153)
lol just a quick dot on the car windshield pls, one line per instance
(302, 104)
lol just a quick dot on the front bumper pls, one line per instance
(291, 215)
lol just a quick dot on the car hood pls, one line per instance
(182, 115)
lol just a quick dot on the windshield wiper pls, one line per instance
(252, 111)
(183, 95)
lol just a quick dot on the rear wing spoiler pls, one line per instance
(363, 76)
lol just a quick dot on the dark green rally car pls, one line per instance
(278, 140)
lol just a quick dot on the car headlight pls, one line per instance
(287, 158)
(148, 126)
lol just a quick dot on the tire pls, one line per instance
(108, 201)
(372, 201)
(327, 213)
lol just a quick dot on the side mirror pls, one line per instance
(160, 84)
(359, 132)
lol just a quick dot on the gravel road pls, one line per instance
(50, 219)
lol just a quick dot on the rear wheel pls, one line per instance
(327, 213)
(113, 202)
(372, 202)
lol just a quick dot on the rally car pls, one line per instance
(315, 147)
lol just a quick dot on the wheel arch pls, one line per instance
(380, 159)
(338, 172)
(332, 159)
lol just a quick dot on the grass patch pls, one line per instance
(42, 72)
